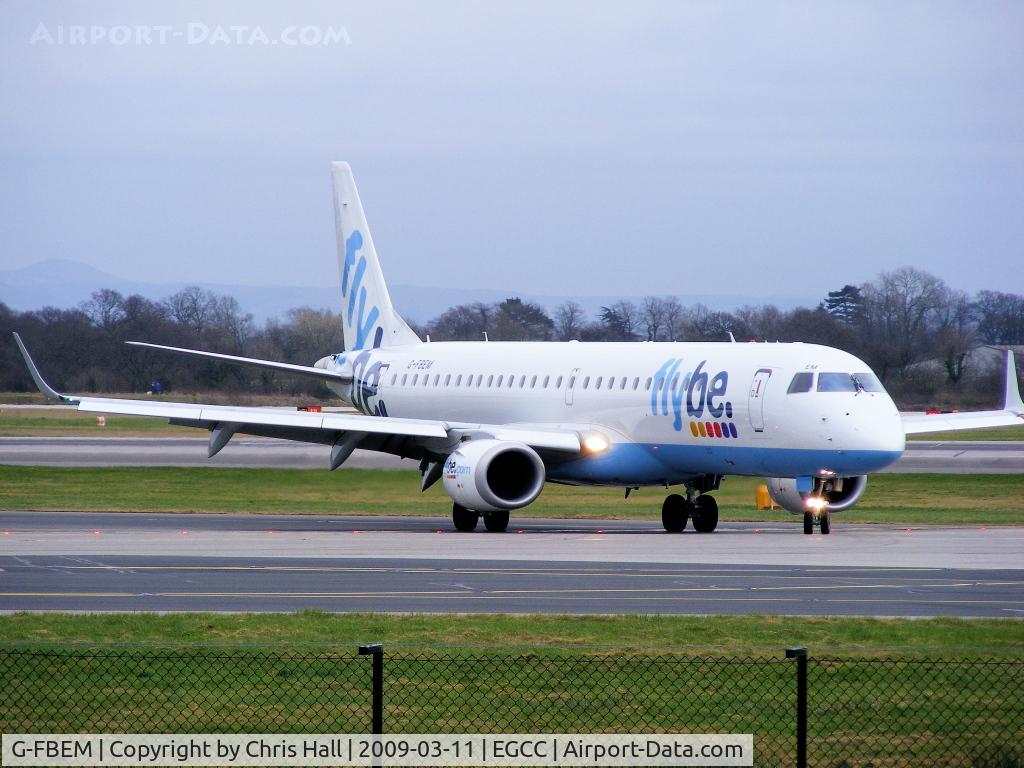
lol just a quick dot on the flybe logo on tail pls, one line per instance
(357, 315)
(696, 396)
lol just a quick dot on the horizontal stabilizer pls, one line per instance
(1012, 412)
(296, 370)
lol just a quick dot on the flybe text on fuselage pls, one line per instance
(698, 391)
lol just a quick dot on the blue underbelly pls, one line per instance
(653, 464)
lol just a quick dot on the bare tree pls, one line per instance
(1000, 317)
(652, 317)
(569, 321)
(105, 308)
(674, 318)
(955, 335)
(898, 314)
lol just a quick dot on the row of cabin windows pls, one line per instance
(477, 380)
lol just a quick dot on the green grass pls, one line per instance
(69, 423)
(994, 433)
(767, 635)
(942, 692)
(897, 498)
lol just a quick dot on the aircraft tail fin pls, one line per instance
(369, 319)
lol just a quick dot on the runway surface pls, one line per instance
(945, 457)
(141, 561)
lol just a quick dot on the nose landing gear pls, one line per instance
(820, 519)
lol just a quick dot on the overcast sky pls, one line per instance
(565, 148)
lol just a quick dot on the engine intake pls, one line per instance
(838, 493)
(493, 475)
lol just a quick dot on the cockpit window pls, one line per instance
(836, 382)
(848, 382)
(801, 383)
(869, 382)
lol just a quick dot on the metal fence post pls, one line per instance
(800, 654)
(376, 650)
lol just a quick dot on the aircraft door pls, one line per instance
(571, 385)
(755, 401)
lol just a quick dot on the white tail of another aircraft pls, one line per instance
(369, 319)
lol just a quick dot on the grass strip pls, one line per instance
(890, 498)
(764, 635)
(501, 674)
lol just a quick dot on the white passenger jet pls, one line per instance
(497, 420)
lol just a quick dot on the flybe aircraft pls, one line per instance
(496, 421)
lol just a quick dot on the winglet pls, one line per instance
(46, 389)
(1011, 396)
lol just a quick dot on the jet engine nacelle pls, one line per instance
(837, 493)
(493, 475)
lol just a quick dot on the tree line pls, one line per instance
(894, 323)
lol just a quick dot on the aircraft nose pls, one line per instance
(879, 425)
(891, 436)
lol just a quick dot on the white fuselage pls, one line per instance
(670, 411)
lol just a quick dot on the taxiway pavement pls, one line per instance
(161, 562)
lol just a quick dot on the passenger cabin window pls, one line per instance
(533, 382)
(611, 382)
(648, 385)
(404, 377)
(490, 380)
(447, 379)
(597, 384)
(500, 379)
(801, 383)
(394, 376)
(546, 380)
(622, 384)
(636, 382)
(586, 382)
(558, 383)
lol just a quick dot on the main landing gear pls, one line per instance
(676, 510)
(466, 519)
(820, 519)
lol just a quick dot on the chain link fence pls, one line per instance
(858, 712)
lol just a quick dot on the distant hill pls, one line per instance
(65, 283)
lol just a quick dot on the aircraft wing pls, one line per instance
(404, 437)
(1010, 414)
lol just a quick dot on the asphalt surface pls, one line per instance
(963, 457)
(159, 562)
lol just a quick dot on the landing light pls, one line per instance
(815, 503)
(595, 443)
